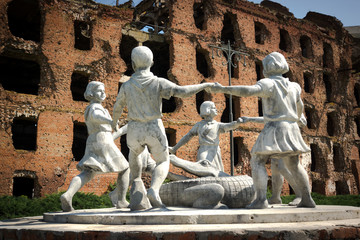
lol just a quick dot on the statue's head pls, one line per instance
(274, 64)
(89, 92)
(208, 108)
(142, 58)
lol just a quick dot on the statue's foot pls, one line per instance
(295, 202)
(66, 205)
(122, 204)
(258, 204)
(114, 198)
(274, 200)
(308, 203)
(221, 206)
(154, 199)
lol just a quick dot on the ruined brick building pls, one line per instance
(50, 50)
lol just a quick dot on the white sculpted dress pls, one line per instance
(101, 153)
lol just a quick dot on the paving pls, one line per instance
(278, 222)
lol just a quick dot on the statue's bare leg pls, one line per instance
(301, 178)
(277, 181)
(194, 167)
(122, 187)
(259, 176)
(160, 173)
(291, 180)
(76, 183)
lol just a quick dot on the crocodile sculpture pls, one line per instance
(232, 191)
(215, 189)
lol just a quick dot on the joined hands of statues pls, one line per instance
(115, 125)
(171, 150)
(215, 88)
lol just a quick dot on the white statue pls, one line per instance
(101, 153)
(142, 95)
(281, 137)
(209, 153)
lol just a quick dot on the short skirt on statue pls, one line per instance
(278, 139)
(102, 155)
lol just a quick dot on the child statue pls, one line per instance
(101, 153)
(142, 95)
(281, 137)
(209, 154)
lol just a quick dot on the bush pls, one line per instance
(346, 200)
(14, 207)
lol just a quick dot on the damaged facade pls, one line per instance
(50, 50)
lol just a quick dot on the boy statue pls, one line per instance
(142, 95)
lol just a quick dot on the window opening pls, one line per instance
(126, 46)
(315, 157)
(79, 140)
(24, 133)
(199, 15)
(285, 41)
(306, 46)
(328, 86)
(308, 82)
(339, 158)
(342, 188)
(318, 187)
(171, 136)
(241, 152)
(79, 81)
(83, 35)
(235, 109)
(23, 186)
(21, 76)
(260, 33)
(332, 123)
(24, 19)
(202, 64)
(202, 97)
(123, 147)
(328, 56)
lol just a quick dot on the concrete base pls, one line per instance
(323, 222)
(177, 215)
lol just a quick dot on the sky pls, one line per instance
(347, 11)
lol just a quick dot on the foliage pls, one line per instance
(14, 207)
(346, 200)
